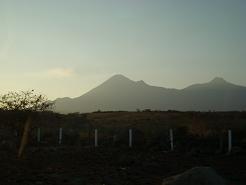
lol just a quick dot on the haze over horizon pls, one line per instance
(65, 48)
(118, 78)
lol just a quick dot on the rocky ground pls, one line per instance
(109, 166)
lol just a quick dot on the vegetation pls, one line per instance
(200, 139)
(204, 132)
(26, 101)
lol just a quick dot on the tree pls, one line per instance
(27, 101)
(24, 101)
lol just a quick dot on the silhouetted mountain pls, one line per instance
(121, 93)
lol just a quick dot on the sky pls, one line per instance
(64, 48)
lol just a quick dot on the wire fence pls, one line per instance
(172, 139)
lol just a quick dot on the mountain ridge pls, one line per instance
(122, 93)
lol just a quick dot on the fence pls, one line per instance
(99, 140)
(173, 139)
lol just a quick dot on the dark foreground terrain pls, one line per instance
(77, 166)
(200, 139)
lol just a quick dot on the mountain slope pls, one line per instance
(217, 94)
(121, 93)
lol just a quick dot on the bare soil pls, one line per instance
(110, 166)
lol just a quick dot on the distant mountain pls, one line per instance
(121, 93)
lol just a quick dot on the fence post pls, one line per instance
(229, 141)
(39, 135)
(130, 138)
(96, 138)
(60, 135)
(171, 139)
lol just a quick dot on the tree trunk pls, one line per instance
(25, 136)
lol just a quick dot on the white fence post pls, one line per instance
(96, 138)
(171, 139)
(229, 141)
(39, 135)
(130, 138)
(60, 135)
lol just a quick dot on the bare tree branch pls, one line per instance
(25, 100)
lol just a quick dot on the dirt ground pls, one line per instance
(109, 166)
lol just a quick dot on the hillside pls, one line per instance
(121, 93)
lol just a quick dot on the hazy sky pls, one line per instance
(66, 47)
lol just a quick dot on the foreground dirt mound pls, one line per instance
(196, 176)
